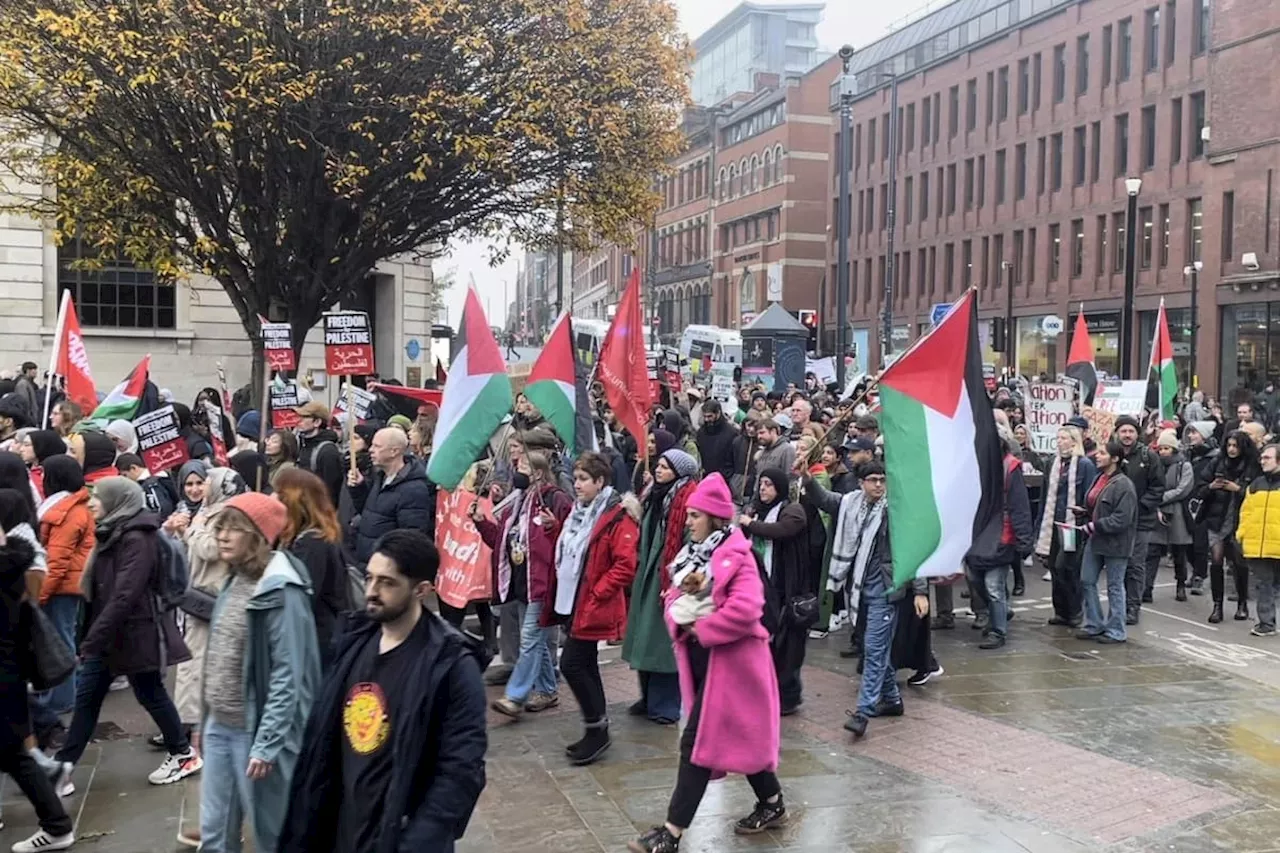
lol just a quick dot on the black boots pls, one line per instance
(1242, 611)
(1216, 616)
(592, 746)
(765, 816)
(1181, 594)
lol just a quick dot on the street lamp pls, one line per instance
(1193, 271)
(843, 214)
(1132, 186)
(1007, 268)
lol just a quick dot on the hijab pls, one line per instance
(63, 474)
(781, 484)
(121, 499)
(124, 431)
(222, 485)
(47, 443)
(14, 475)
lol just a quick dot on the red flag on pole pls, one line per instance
(622, 368)
(73, 363)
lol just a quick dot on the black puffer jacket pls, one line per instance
(321, 455)
(715, 447)
(1145, 470)
(407, 502)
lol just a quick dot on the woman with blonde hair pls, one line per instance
(313, 535)
(1069, 474)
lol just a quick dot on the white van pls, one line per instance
(588, 335)
(722, 346)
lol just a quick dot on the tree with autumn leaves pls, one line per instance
(285, 147)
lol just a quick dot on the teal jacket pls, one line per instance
(281, 678)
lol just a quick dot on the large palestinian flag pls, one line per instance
(121, 402)
(1162, 378)
(942, 453)
(554, 387)
(1080, 360)
(477, 396)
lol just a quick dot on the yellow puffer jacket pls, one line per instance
(1259, 529)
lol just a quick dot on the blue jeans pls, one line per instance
(992, 581)
(64, 612)
(535, 669)
(1091, 566)
(660, 692)
(879, 678)
(226, 793)
(92, 685)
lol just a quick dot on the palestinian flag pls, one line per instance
(122, 401)
(477, 396)
(943, 458)
(1162, 380)
(553, 387)
(1080, 361)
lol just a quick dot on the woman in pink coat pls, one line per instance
(713, 611)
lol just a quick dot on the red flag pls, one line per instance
(1080, 365)
(73, 363)
(622, 367)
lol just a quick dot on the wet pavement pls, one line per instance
(1049, 745)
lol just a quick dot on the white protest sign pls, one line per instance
(1122, 398)
(721, 388)
(361, 400)
(1048, 406)
(824, 369)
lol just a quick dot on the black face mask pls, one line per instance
(519, 480)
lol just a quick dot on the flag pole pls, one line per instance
(58, 328)
(351, 423)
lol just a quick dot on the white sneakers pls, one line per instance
(43, 841)
(177, 767)
(62, 784)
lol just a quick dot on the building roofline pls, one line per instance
(742, 10)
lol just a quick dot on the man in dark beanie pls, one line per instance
(1144, 468)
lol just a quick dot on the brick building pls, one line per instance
(1018, 124)
(745, 203)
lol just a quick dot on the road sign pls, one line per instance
(939, 311)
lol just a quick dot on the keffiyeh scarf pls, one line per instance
(571, 548)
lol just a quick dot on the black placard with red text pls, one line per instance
(348, 344)
(160, 441)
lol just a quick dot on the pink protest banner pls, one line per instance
(465, 571)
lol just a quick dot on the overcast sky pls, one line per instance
(856, 22)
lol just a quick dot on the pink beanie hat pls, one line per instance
(712, 497)
(266, 513)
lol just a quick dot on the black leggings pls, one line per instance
(488, 625)
(581, 668)
(1224, 550)
(691, 780)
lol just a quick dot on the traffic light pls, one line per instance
(999, 335)
(810, 321)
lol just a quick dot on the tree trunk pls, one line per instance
(258, 375)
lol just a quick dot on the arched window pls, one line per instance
(722, 183)
(733, 181)
(768, 167)
(777, 163)
(755, 173)
(745, 176)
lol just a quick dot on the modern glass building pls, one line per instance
(754, 38)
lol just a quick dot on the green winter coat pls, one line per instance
(647, 644)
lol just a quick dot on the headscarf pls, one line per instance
(222, 485)
(663, 440)
(99, 454)
(201, 470)
(47, 443)
(63, 474)
(121, 499)
(252, 468)
(14, 475)
(781, 484)
(124, 431)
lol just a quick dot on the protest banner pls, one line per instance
(1122, 398)
(721, 388)
(823, 369)
(1101, 423)
(1048, 406)
(464, 575)
(277, 343)
(160, 441)
(216, 438)
(361, 401)
(348, 344)
(284, 399)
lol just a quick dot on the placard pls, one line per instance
(465, 572)
(1122, 398)
(824, 369)
(160, 441)
(1048, 406)
(216, 438)
(722, 388)
(348, 344)
(1101, 423)
(277, 343)
(361, 401)
(284, 399)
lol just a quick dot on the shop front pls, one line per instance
(1037, 345)
(1104, 332)
(1179, 335)
(1250, 347)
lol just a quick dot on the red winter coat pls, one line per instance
(674, 540)
(600, 608)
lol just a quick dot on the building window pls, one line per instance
(1055, 162)
(937, 207)
(1035, 82)
(968, 184)
(118, 295)
(1106, 56)
(991, 96)
(1122, 145)
(1059, 73)
(983, 282)
(1095, 150)
(924, 195)
(1228, 227)
(1077, 248)
(1000, 176)
(884, 137)
(1020, 171)
(982, 180)
(971, 105)
(926, 116)
(1100, 263)
(1017, 257)
(1195, 229)
(1024, 86)
(1078, 138)
(884, 206)
(996, 269)
(1082, 64)
(1165, 230)
(1055, 251)
(908, 199)
(857, 148)
(1197, 125)
(951, 189)
(1148, 137)
(900, 127)
(933, 269)
(1041, 172)
(1199, 27)
(1170, 37)
(1031, 255)
(1151, 40)
(871, 142)
(1002, 94)
(953, 115)
(911, 127)
(948, 266)
(1175, 131)
(966, 262)
(1124, 47)
(1147, 235)
(1121, 239)
(937, 117)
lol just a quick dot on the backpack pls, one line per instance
(175, 575)
(315, 455)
